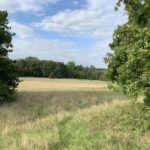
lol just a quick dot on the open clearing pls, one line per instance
(45, 84)
(60, 114)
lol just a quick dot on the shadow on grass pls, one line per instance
(65, 101)
(30, 106)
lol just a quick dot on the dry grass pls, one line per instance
(52, 114)
(45, 84)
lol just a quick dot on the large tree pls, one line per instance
(129, 62)
(8, 77)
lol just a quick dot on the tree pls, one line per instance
(33, 67)
(8, 77)
(48, 68)
(60, 70)
(71, 69)
(129, 64)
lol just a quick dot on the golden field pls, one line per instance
(45, 84)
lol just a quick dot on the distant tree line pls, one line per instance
(33, 67)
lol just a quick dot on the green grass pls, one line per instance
(71, 120)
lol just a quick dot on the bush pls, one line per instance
(136, 118)
(6, 93)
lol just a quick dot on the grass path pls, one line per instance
(91, 128)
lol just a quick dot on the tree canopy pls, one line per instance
(129, 62)
(8, 76)
(32, 66)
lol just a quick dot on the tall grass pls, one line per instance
(68, 120)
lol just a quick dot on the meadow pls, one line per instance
(68, 114)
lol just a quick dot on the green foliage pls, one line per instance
(5, 92)
(31, 66)
(129, 64)
(8, 77)
(136, 118)
(147, 96)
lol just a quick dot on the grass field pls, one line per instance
(60, 114)
(45, 84)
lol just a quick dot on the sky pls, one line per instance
(63, 30)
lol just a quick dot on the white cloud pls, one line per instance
(41, 48)
(97, 20)
(58, 50)
(28, 43)
(98, 4)
(22, 31)
(25, 5)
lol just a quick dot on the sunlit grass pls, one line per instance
(67, 120)
(46, 84)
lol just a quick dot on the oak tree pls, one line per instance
(129, 62)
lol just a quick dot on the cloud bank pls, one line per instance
(96, 21)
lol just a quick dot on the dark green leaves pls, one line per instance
(8, 77)
(129, 64)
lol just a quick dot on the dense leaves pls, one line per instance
(34, 67)
(8, 71)
(129, 64)
(135, 118)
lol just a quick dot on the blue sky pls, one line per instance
(63, 30)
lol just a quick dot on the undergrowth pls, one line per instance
(136, 118)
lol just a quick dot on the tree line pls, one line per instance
(33, 67)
